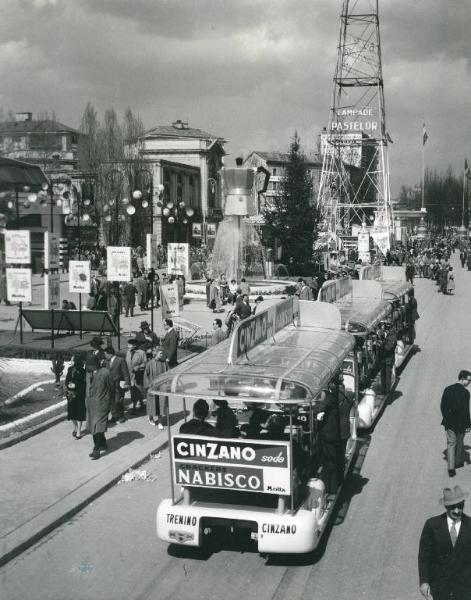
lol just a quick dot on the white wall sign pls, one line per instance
(79, 276)
(52, 291)
(51, 250)
(118, 263)
(19, 287)
(17, 247)
(178, 259)
(169, 300)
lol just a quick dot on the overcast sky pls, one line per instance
(251, 71)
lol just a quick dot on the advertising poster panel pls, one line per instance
(211, 230)
(151, 251)
(118, 263)
(52, 291)
(178, 259)
(229, 464)
(17, 247)
(197, 230)
(169, 300)
(79, 276)
(51, 250)
(19, 287)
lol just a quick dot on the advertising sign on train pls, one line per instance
(229, 464)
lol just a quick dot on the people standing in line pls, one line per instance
(445, 550)
(76, 386)
(170, 343)
(154, 367)
(219, 334)
(129, 298)
(119, 374)
(98, 404)
(146, 338)
(454, 407)
(136, 363)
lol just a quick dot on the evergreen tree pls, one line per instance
(291, 219)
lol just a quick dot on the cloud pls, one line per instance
(250, 71)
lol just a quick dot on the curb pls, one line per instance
(20, 425)
(20, 436)
(31, 532)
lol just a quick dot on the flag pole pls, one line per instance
(423, 175)
(464, 188)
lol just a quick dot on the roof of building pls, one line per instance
(176, 131)
(282, 157)
(16, 172)
(31, 126)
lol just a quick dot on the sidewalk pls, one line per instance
(48, 478)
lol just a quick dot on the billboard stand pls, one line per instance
(20, 317)
(52, 328)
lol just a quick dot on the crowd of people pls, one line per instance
(98, 384)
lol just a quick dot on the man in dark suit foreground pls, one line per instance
(445, 551)
(456, 420)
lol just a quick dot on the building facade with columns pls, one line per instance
(186, 162)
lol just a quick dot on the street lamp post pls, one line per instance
(138, 195)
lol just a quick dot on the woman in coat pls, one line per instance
(75, 385)
(98, 406)
(155, 367)
(136, 363)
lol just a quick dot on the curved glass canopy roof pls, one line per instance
(362, 315)
(394, 290)
(291, 367)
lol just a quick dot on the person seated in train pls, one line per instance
(253, 428)
(275, 430)
(197, 425)
(226, 421)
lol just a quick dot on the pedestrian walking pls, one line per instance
(154, 367)
(136, 363)
(454, 407)
(170, 343)
(119, 374)
(75, 385)
(146, 338)
(451, 280)
(98, 406)
(129, 298)
(141, 287)
(412, 315)
(445, 550)
(410, 271)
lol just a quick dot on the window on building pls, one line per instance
(45, 141)
(274, 172)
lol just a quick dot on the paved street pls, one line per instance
(110, 549)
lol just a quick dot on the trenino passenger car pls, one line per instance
(270, 481)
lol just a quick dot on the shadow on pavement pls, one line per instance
(123, 438)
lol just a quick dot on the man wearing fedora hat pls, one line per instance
(445, 551)
(146, 337)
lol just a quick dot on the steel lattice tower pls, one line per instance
(354, 181)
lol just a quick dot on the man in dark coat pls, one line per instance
(445, 551)
(100, 390)
(170, 343)
(456, 420)
(129, 298)
(119, 374)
